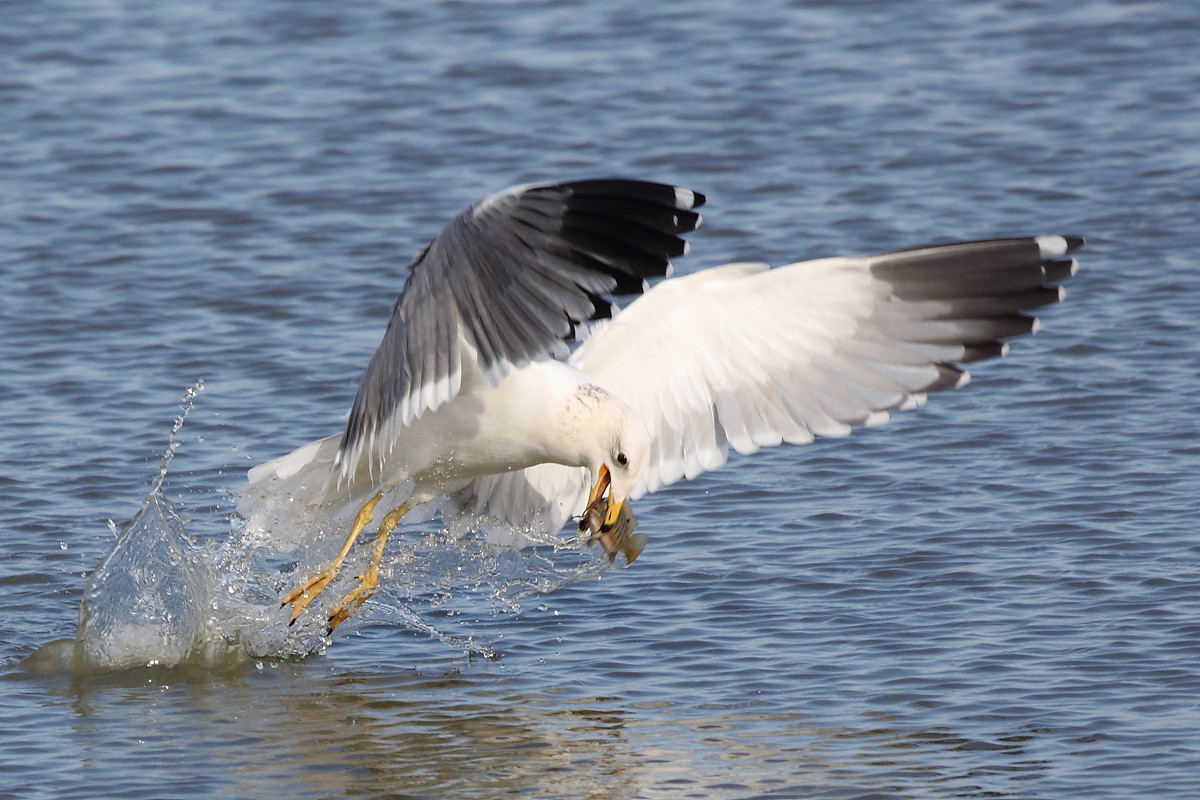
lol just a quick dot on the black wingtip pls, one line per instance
(1074, 242)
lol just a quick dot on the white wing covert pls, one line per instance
(744, 356)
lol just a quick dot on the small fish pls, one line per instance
(619, 538)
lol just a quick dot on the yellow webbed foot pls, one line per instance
(305, 593)
(349, 603)
(370, 578)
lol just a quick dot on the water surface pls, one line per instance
(996, 595)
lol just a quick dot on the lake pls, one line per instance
(996, 595)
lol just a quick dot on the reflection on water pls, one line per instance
(381, 735)
(432, 733)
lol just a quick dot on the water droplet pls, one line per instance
(258, 665)
(62, 545)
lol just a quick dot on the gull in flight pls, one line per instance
(474, 395)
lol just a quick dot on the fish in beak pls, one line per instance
(611, 523)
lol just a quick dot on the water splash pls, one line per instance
(164, 597)
(185, 407)
(159, 617)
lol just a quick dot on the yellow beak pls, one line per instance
(612, 510)
(612, 514)
(603, 479)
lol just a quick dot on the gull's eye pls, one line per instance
(622, 459)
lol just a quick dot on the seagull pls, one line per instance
(475, 397)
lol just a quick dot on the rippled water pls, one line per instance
(994, 596)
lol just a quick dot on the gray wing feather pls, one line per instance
(511, 276)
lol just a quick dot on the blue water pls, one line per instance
(996, 595)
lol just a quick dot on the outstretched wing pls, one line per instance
(744, 356)
(506, 281)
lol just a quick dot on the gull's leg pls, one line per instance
(370, 578)
(306, 592)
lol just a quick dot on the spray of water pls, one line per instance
(164, 596)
